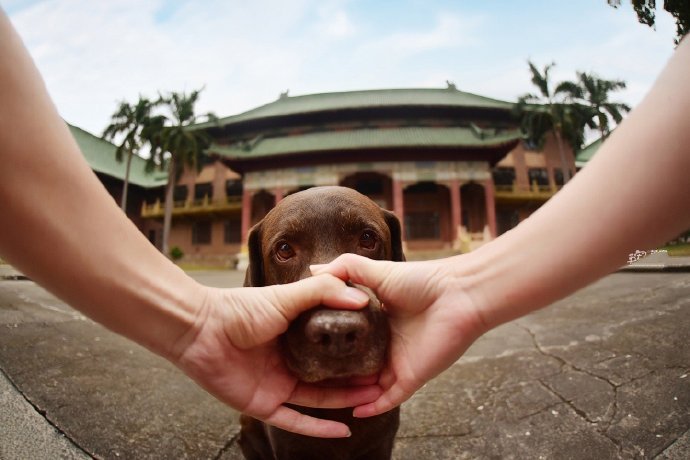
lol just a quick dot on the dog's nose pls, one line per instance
(338, 333)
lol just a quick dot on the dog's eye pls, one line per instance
(368, 240)
(284, 251)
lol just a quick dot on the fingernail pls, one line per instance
(356, 295)
(349, 433)
(316, 268)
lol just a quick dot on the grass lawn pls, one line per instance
(678, 250)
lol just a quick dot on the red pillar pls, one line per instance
(490, 206)
(246, 216)
(279, 194)
(398, 205)
(455, 208)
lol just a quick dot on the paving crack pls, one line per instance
(226, 447)
(563, 361)
(602, 429)
(45, 416)
(664, 452)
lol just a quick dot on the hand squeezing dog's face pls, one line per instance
(312, 227)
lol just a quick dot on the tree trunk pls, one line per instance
(167, 216)
(125, 186)
(561, 151)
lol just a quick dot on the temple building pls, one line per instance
(450, 164)
(143, 186)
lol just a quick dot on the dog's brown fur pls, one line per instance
(317, 225)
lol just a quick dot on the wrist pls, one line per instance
(467, 284)
(153, 310)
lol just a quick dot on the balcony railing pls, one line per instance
(193, 207)
(535, 192)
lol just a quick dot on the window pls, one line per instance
(538, 175)
(201, 232)
(232, 231)
(558, 176)
(233, 187)
(422, 226)
(504, 176)
(180, 193)
(202, 191)
(369, 186)
(422, 187)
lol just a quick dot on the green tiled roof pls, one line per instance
(291, 105)
(586, 154)
(100, 154)
(465, 137)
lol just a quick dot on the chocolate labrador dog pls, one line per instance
(312, 227)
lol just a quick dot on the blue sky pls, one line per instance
(93, 54)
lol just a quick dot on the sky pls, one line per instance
(95, 53)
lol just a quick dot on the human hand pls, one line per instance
(231, 351)
(432, 317)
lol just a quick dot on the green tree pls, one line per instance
(128, 121)
(595, 95)
(646, 13)
(553, 110)
(174, 146)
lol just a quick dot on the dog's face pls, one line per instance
(316, 226)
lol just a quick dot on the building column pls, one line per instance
(490, 206)
(455, 209)
(243, 256)
(246, 217)
(279, 194)
(398, 205)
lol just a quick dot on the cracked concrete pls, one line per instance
(604, 373)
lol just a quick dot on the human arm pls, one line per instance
(60, 227)
(634, 194)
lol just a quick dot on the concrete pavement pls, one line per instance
(604, 373)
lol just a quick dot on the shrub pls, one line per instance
(176, 253)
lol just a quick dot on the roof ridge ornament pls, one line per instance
(284, 94)
(451, 86)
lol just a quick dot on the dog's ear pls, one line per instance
(254, 276)
(396, 236)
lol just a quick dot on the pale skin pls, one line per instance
(61, 228)
(635, 194)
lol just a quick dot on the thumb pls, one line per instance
(294, 298)
(357, 269)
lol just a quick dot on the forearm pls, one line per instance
(635, 194)
(63, 229)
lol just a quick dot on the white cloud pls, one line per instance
(93, 54)
(449, 31)
(335, 24)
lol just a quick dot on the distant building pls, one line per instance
(583, 156)
(143, 187)
(450, 164)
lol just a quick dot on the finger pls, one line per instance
(291, 420)
(297, 297)
(358, 269)
(334, 397)
(389, 400)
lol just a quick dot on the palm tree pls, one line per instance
(174, 146)
(595, 94)
(552, 111)
(128, 120)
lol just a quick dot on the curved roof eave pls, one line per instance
(366, 139)
(100, 155)
(365, 99)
